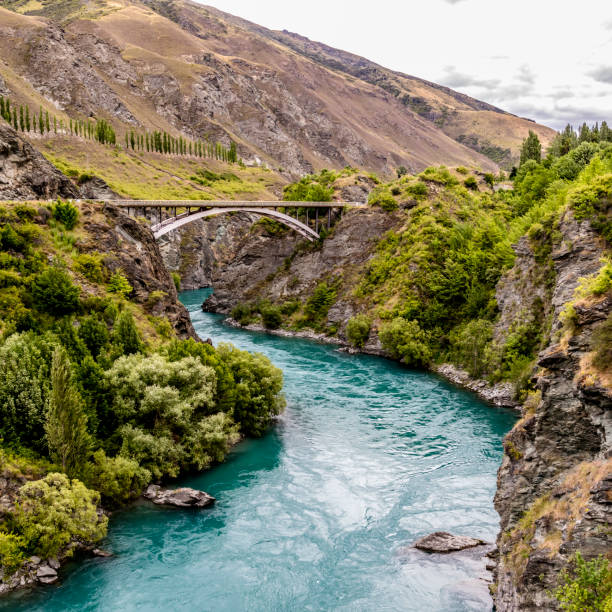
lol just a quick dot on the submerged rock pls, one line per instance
(442, 542)
(179, 498)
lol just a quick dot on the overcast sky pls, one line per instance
(549, 60)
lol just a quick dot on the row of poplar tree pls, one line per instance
(23, 120)
(162, 142)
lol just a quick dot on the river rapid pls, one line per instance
(319, 513)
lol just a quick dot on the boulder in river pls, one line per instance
(45, 574)
(442, 542)
(179, 498)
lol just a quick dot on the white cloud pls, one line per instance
(523, 57)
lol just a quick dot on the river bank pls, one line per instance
(499, 394)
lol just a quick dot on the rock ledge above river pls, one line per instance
(178, 498)
(442, 542)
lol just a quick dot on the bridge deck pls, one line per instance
(227, 204)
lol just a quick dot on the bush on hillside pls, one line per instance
(469, 344)
(66, 213)
(406, 341)
(358, 330)
(587, 586)
(119, 480)
(55, 511)
(54, 293)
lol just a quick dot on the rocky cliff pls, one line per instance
(555, 484)
(25, 174)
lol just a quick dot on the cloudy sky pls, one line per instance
(549, 60)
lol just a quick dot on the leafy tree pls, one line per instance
(531, 149)
(405, 340)
(54, 293)
(118, 479)
(66, 213)
(94, 333)
(55, 511)
(319, 303)
(66, 425)
(126, 335)
(358, 330)
(24, 390)
(12, 556)
(258, 388)
(469, 344)
(119, 284)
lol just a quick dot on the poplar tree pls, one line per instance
(531, 149)
(66, 426)
(132, 139)
(233, 156)
(27, 118)
(605, 133)
(15, 122)
(47, 124)
(41, 124)
(54, 124)
(21, 119)
(2, 106)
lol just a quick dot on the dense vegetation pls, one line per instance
(103, 132)
(430, 289)
(100, 395)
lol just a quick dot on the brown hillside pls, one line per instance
(295, 105)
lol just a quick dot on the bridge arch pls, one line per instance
(169, 225)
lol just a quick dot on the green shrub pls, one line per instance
(176, 278)
(289, 308)
(119, 284)
(439, 174)
(94, 333)
(382, 197)
(319, 302)
(405, 340)
(358, 330)
(54, 293)
(471, 183)
(11, 553)
(54, 511)
(66, 213)
(126, 335)
(462, 170)
(119, 480)
(417, 189)
(90, 266)
(243, 313)
(587, 587)
(271, 317)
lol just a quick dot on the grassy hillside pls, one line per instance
(145, 175)
(195, 73)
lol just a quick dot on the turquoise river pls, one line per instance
(319, 514)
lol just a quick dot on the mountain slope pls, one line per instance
(178, 66)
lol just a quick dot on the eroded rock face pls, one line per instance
(443, 542)
(25, 174)
(178, 498)
(131, 248)
(554, 492)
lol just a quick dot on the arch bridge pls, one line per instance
(169, 215)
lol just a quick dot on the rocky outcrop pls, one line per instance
(129, 246)
(443, 542)
(178, 498)
(94, 188)
(554, 492)
(25, 174)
